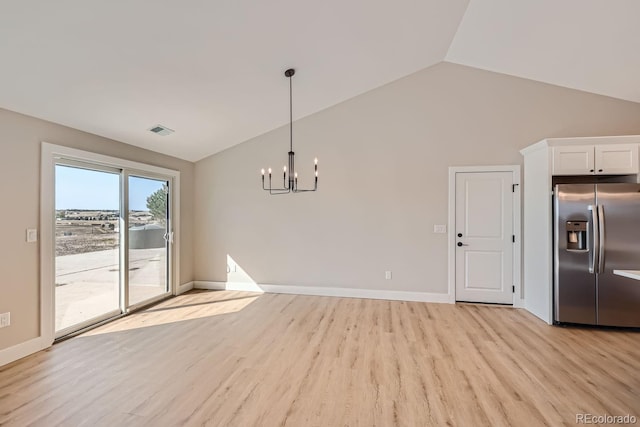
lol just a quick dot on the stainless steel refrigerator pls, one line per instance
(596, 231)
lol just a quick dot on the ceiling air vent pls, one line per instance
(161, 130)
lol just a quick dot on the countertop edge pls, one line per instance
(631, 274)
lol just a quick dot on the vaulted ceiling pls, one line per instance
(213, 70)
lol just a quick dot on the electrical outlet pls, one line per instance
(5, 319)
(387, 275)
(439, 228)
(32, 235)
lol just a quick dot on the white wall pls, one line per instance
(20, 139)
(383, 178)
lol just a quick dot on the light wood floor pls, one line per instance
(241, 359)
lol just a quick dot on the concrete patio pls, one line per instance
(87, 285)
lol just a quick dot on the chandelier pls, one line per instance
(290, 175)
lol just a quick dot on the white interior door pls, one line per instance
(484, 237)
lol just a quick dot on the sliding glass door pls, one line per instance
(112, 242)
(87, 245)
(148, 238)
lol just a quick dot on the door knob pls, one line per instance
(462, 244)
(459, 234)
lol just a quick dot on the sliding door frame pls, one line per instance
(52, 154)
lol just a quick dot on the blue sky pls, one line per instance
(96, 190)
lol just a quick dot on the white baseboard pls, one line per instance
(358, 293)
(249, 287)
(185, 287)
(213, 286)
(326, 291)
(21, 350)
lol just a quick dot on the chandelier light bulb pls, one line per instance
(315, 161)
(262, 171)
(284, 168)
(269, 171)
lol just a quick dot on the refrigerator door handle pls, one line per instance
(596, 239)
(601, 239)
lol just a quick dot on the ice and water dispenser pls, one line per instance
(577, 235)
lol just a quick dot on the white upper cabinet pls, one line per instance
(573, 160)
(618, 159)
(606, 159)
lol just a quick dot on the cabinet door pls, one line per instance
(573, 160)
(616, 159)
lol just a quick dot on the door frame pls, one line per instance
(49, 155)
(518, 300)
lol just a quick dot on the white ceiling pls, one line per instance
(213, 70)
(590, 45)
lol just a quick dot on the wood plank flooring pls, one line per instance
(242, 359)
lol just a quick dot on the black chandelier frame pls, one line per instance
(290, 175)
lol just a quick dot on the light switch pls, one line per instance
(32, 235)
(5, 319)
(439, 228)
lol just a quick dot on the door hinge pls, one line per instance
(513, 289)
(513, 238)
(513, 187)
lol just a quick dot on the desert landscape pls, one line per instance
(80, 231)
